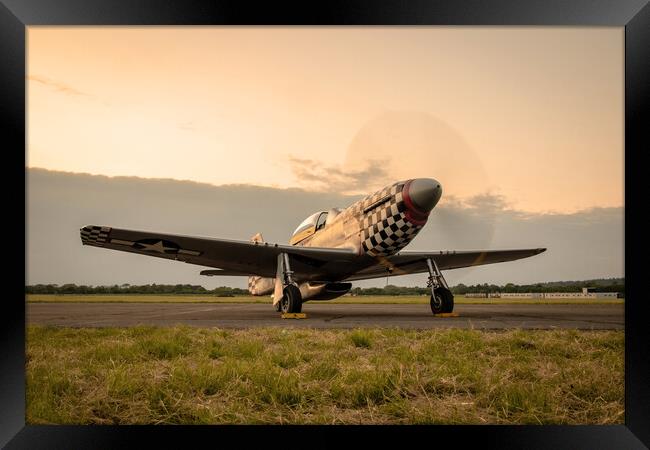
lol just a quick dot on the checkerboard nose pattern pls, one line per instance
(395, 221)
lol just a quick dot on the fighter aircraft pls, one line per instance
(327, 251)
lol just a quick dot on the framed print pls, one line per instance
(225, 120)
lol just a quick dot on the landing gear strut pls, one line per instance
(442, 300)
(291, 301)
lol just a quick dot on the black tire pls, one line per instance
(449, 301)
(278, 306)
(442, 301)
(291, 300)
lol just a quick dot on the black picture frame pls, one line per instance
(634, 15)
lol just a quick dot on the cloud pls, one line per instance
(583, 245)
(481, 204)
(487, 202)
(315, 176)
(57, 85)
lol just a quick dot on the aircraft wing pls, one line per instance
(405, 263)
(234, 257)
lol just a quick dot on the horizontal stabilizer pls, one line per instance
(222, 272)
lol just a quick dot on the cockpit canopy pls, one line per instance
(315, 220)
(313, 223)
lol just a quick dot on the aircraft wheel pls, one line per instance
(442, 301)
(291, 300)
(278, 306)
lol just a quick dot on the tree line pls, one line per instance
(70, 288)
(462, 289)
(599, 285)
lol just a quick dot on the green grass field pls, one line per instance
(189, 298)
(372, 376)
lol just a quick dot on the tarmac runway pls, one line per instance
(323, 315)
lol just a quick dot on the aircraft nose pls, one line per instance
(424, 193)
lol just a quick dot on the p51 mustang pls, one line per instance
(327, 251)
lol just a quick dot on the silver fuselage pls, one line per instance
(379, 225)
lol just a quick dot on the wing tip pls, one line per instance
(540, 250)
(94, 234)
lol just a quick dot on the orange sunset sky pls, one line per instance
(534, 114)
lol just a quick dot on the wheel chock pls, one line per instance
(451, 314)
(294, 316)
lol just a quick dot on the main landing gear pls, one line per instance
(291, 301)
(442, 300)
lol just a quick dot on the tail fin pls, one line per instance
(258, 285)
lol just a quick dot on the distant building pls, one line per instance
(522, 295)
(587, 292)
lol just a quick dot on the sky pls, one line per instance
(534, 114)
(523, 127)
(581, 246)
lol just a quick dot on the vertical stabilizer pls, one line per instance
(258, 285)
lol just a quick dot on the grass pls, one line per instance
(365, 299)
(370, 376)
